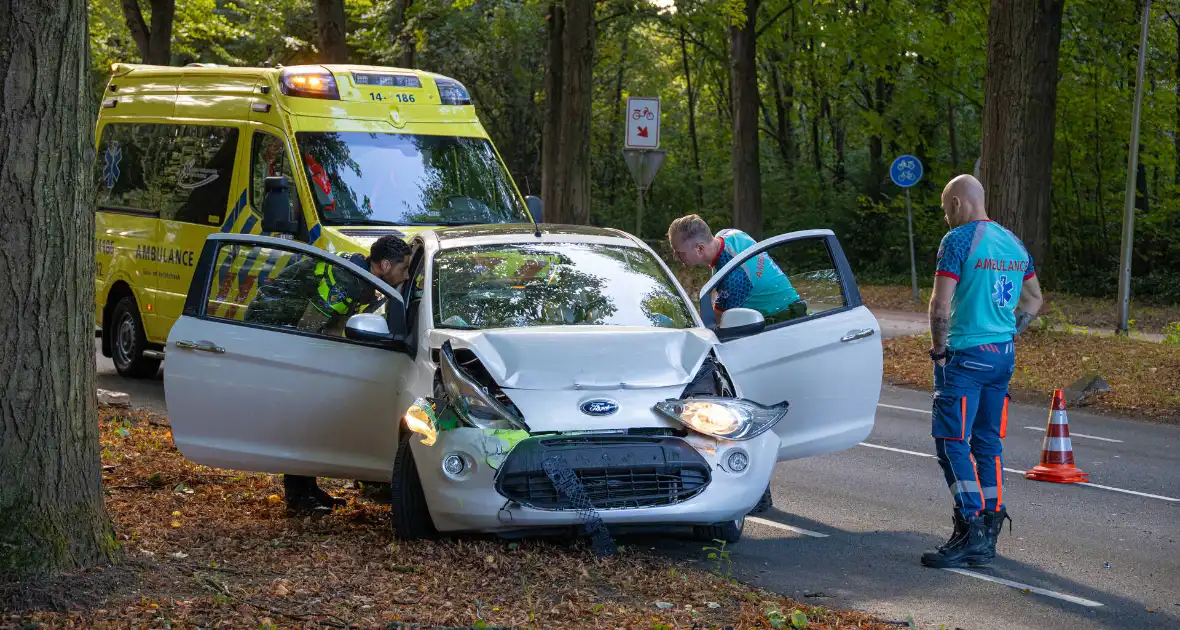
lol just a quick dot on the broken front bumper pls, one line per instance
(631, 480)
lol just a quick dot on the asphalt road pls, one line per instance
(847, 529)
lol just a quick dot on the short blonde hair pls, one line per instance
(689, 229)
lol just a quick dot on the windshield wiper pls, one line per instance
(457, 326)
(367, 222)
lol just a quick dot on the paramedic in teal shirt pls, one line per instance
(985, 293)
(759, 284)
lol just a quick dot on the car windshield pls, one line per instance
(554, 284)
(362, 178)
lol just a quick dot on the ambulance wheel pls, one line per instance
(729, 532)
(128, 341)
(410, 515)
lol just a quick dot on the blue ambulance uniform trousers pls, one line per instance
(970, 416)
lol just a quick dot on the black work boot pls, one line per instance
(994, 522)
(969, 549)
(300, 493)
(960, 528)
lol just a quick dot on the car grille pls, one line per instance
(616, 472)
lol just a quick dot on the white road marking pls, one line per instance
(797, 530)
(1021, 473)
(925, 411)
(1072, 434)
(1138, 494)
(896, 450)
(1026, 587)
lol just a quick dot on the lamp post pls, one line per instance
(1132, 164)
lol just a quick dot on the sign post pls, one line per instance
(905, 172)
(641, 147)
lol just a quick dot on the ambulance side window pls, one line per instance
(175, 172)
(268, 158)
(203, 162)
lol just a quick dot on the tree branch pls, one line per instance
(774, 19)
(139, 30)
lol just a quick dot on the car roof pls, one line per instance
(491, 234)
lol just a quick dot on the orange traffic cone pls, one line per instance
(1057, 449)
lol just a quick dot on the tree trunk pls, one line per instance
(330, 28)
(747, 178)
(573, 164)
(952, 133)
(692, 123)
(1020, 98)
(612, 183)
(155, 45)
(1176, 130)
(551, 134)
(405, 39)
(52, 516)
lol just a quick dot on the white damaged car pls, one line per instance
(514, 349)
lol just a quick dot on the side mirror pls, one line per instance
(739, 322)
(367, 327)
(276, 206)
(536, 208)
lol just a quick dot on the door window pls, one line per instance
(787, 281)
(287, 290)
(268, 158)
(178, 172)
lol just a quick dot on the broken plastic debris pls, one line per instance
(664, 605)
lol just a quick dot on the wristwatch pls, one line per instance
(937, 355)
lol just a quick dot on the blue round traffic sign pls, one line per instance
(906, 171)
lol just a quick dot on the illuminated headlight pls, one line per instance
(421, 419)
(727, 418)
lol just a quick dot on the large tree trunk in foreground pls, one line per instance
(573, 164)
(747, 176)
(1020, 98)
(154, 44)
(551, 135)
(330, 29)
(52, 516)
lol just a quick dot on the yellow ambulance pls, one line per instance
(331, 155)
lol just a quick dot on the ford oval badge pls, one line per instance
(599, 407)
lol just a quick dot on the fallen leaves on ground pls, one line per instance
(1144, 377)
(213, 548)
(1059, 308)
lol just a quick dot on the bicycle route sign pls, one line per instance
(643, 123)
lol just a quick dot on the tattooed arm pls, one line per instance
(940, 311)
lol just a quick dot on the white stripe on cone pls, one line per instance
(1058, 417)
(1058, 444)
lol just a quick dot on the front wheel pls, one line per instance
(128, 341)
(410, 515)
(730, 532)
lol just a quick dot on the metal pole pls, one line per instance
(639, 214)
(913, 265)
(1132, 165)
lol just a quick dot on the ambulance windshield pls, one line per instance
(362, 178)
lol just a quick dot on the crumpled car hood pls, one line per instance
(585, 357)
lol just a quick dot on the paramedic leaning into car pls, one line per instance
(759, 284)
(314, 296)
(985, 293)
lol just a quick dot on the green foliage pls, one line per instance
(720, 558)
(845, 87)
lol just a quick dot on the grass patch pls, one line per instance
(1144, 377)
(213, 548)
(1078, 311)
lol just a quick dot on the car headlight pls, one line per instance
(473, 404)
(421, 419)
(726, 418)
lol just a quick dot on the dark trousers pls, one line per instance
(970, 418)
